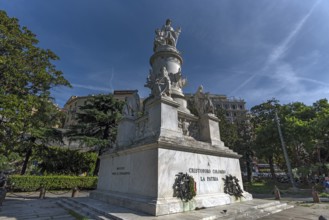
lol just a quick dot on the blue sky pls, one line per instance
(250, 49)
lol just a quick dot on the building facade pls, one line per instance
(234, 108)
(72, 106)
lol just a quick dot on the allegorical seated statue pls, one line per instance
(202, 102)
(177, 80)
(132, 106)
(166, 36)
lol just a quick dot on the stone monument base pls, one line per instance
(157, 206)
(142, 177)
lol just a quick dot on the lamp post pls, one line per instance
(284, 149)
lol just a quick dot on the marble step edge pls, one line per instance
(275, 207)
(252, 212)
(267, 204)
(82, 210)
(96, 208)
(268, 209)
(259, 213)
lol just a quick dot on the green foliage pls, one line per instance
(26, 76)
(57, 160)
(97, 123)
(228, 131)
(25, 68)
(305, 131)
(32, 183)
(191, 186)
(8, 162)
(323, 194)
(239, 137)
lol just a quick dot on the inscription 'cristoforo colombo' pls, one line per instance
(197, 170)
(207, 171)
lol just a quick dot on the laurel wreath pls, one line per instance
(232, 186)
(184, 187)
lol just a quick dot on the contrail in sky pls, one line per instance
(111, 79)
(91, 87)
(280, 50)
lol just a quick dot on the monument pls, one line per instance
(166, 159)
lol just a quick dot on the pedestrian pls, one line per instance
(326, 184)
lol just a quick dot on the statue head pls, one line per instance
(168, 22)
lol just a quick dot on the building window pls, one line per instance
(241, 107)
(233, 106)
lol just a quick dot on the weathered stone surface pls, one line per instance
(140, 172)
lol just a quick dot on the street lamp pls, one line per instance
(284, 149)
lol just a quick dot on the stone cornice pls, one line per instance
(180, 144)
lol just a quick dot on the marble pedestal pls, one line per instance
(142, 177)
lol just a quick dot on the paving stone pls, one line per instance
(20, 208)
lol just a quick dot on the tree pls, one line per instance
(228, 130)
(266, 142)
(97, 122)
(296, 119)
(320, 127)
(26, 76)
(238, 135)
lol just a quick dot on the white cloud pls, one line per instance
(287, 86)
(278, 53)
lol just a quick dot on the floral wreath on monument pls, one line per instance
(232, 186)
(184, 187)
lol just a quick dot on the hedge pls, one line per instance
(63, 161)
(32, 183)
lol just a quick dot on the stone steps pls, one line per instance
(81, 209)
(254, 209)
(264, 210)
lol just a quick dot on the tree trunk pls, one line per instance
(96, 170)
(270, 161)
(249, 168)
(26, 160)
(98, 162)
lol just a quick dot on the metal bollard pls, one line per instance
(75, 192)
(277, 193)
(42, 193)
(3, 192)
(315, 194)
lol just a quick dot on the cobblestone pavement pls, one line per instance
(21, 206)
(309, 211)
